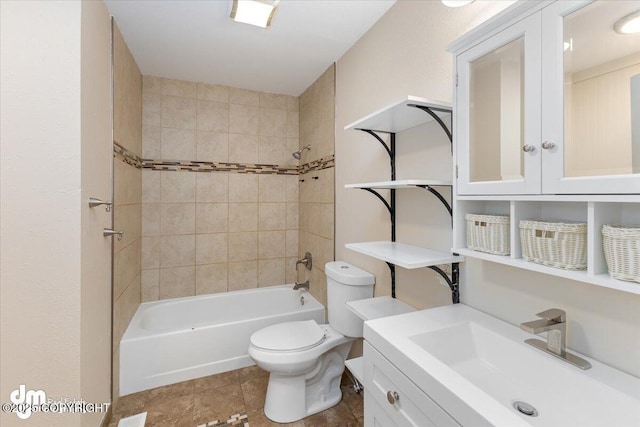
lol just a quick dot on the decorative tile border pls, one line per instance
(123, 154)
(241, 420)
(129, 157)
(323, 163)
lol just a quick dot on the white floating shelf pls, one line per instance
(378, 307)
(399, 116)
(399, 184)
(356, 367)
(603, 280)
(402, 255)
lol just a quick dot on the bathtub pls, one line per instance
(184, 338)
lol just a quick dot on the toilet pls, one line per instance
(306, 360)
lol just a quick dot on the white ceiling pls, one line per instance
(197, 41)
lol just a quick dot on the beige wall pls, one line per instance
(316, 197)
(404, 53)
(55, 291)
(217, 231)
(127, 131)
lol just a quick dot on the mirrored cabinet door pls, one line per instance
(590, 98)
(498, 107)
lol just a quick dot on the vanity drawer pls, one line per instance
(404, 403)
(374, 415)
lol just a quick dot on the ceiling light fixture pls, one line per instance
(456, 3)
(253, 12)
(629, 24)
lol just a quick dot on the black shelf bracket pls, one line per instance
(453, 282)
(431, 112)
(392, 270)
(439, 196)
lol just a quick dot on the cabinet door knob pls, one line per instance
(393, 396)
(547, 145)
(528, 148)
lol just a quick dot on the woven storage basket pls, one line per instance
(556, 244)
(621, 245)
(488, 233)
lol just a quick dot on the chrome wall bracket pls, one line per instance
(93, 202)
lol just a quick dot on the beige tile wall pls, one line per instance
(127, 131)
(220, 231)
(316, 194)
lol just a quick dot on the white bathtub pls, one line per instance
(180, 339)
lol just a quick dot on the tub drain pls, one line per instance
(525, 408)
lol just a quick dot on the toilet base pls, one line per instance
(293, 397)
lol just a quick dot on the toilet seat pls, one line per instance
(289, 336)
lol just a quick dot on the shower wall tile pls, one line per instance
(150, 219)
(150, 186)
(244, 119)
(219, 231)
(177, 282)
(243, 188)
(150, 285)
(212, 248)
(291, 275)
(177, 187)
(177, 251)
(178, 88)
(211, 278)
(212, 217)
(271, 272)
(273, 122)
(243, 148)
(151, 142)
(316, 187)
(212, 147)
(244, 96)
(244, 216)
(212, 187)
(272, 216)
(178, 144)
(243, 246)
(243, 275)
(213, 116)
(177, 218)
(128, 133)
(274, 100)
(272, 188)
(151, 252)
(213, 92)
(271, 244)
(178, 112)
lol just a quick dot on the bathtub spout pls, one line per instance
(297, 285)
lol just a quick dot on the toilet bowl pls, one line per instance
(306, 360)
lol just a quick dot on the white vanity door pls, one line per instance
(497, 132)
(590, 99)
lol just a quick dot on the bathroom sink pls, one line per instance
(477, 367)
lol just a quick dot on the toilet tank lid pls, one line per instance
(348, 274)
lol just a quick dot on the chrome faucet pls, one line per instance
(304, 285)
(554, 322)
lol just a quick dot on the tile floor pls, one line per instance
(217, 397)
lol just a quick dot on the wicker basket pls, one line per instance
(621, 245)
(556, 244)
(488, 233)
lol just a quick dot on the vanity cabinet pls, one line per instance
(392, 399)
(547, 101)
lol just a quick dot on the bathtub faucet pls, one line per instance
(297, 285)
(306, 261)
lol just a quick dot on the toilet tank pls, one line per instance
(345, 283)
